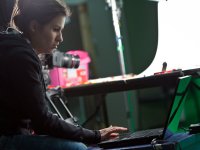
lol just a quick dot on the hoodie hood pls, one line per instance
(13, 43)
(13, 38)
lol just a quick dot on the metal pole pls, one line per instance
(116, 15)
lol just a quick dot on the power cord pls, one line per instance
(157, 144)
(98, 107)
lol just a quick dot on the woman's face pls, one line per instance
(47, 37)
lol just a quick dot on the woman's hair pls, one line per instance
(43, 11)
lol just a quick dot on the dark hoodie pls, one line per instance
(22, 95)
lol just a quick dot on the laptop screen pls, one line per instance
(154, 105)
(192, 104)
(166, 112)
(175, 112)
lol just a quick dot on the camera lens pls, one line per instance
(70, 61)
(60, 59)
(65, 60)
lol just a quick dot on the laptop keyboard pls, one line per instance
(143, 133)
(138, 137)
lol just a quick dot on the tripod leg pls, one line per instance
(54, 107)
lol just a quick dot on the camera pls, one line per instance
(60, 60)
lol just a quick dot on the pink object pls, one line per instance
(65, 77)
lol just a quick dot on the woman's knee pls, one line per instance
(81, 146)
(76, 146)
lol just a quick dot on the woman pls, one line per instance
(36, 28)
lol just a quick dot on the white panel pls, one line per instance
(178, 36)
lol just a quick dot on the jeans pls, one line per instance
(36, 142)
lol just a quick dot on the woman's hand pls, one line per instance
(111, 132)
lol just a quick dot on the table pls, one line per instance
(128, 83)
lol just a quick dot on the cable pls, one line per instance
(93, 114)
(159, 144)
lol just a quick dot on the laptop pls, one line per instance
(150, 135)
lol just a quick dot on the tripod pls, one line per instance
(56, 103)
(56, 98)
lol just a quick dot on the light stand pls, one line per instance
(116, 15)
(116, 6)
